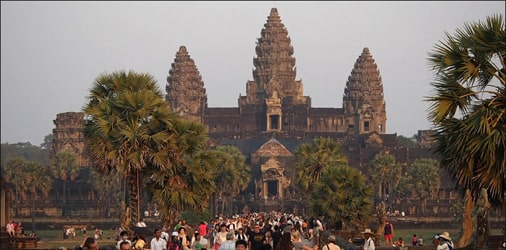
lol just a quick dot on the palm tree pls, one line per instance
(312, 159)
(385, 173)
(424, 177)
(232, 174)
(342, 194)
(64, 167)
(187, 183)
(468, 108)
(108, 190)
(13, 174)
(40, 182)
(127, 128)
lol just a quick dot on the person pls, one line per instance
(174, 243)
(331, 245)
(202, 228)
(220, 237)
(97, 232)
(241, 245)
(369, 242)
(158, 243)
(266, 246)
(185, 239)
(229, 242)
(276, 236)
(256, 238)
(389, 233)
(125, 246)
(445, 242)
(10, 229)
(399, 242)
(123, 238)
(196, 245)
(241, 235)
(141, 223)
(285, 242)
(139, 243)
(414, 240)
(89, 243)
(297, 241)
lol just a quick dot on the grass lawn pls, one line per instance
(54, 239)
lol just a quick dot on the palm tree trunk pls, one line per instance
(134, 196)
(467, 226)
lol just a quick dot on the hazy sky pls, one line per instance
(53, 51)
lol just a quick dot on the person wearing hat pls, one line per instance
(445, 242)
(174, 243)
(332, 244)
(369, 241)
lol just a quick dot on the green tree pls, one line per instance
(342, 194)
(385, 173)
(127, 128)
(313, 158)
(108, 188)
(232, 174)
(406, 142)
(39, 183)
(187, 183)
(468, 108)
(425, 181)
(64, 167)
(28, 178)
(48, 142)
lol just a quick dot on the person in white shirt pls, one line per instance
(158, 243)
(123, 238)
(369, 241)
(445, 242)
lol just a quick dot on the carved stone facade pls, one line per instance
(68, 135)
(274, 118)
(185, 88)
(275, 107)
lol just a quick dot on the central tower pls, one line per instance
(274, 90)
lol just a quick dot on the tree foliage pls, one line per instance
(128, 128)
(313, 158)
(342, 194)
(468, 108)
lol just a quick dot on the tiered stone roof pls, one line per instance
(185, 88)
(274, 64)
(363, 95)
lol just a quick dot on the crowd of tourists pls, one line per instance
(255, 231)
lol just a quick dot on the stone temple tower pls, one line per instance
(185, 89)
(363, 101)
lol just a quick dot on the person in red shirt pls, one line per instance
(202, 228)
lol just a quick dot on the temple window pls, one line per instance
(366, 126)
(274, 121)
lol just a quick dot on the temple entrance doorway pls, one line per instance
(272, 188)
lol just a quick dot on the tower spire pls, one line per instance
(185, 89)
(363, 100)
(274, 62)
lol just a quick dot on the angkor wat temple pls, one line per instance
(274, 117)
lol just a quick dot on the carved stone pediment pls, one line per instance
(272, 148)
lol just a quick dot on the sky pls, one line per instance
(51, 52)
